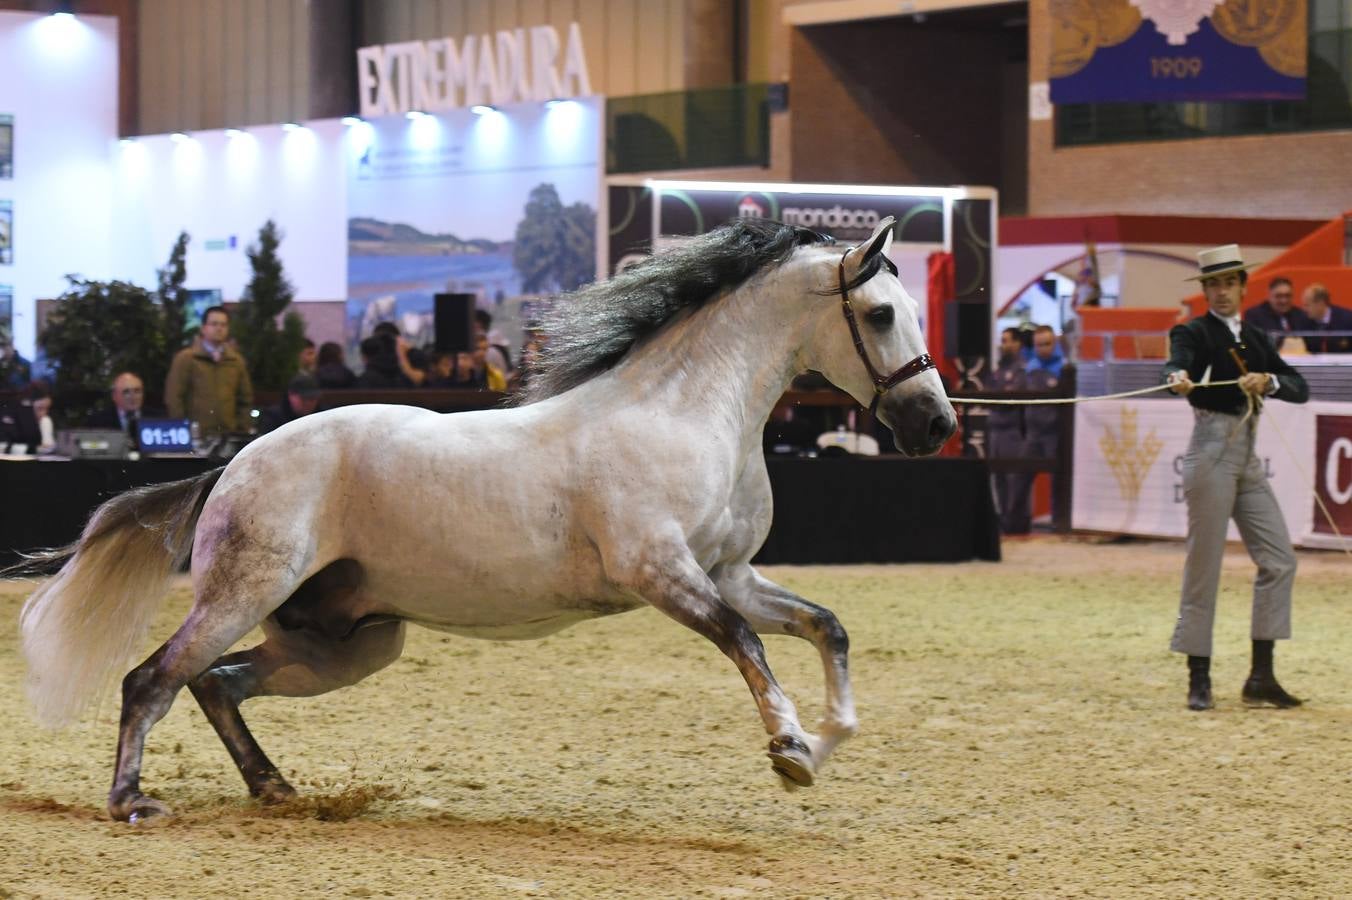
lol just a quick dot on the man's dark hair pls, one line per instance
(483, 318)
(206, 314)
(1013, 331)
(308, 344)
(385, 328)
(1047, 328)
(372, 347)
(1319, 292)
(1276, 282)
(330, 352)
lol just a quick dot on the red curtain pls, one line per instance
(939, 293)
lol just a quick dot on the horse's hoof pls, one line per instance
(147, 809)
(272, 792)
(792, 761)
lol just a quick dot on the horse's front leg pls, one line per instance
(771, 609)
(669, 579)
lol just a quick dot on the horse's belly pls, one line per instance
(519, 631)
(501, 602)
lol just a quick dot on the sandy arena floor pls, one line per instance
(1024, 734)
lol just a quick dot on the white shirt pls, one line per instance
(1232, 322)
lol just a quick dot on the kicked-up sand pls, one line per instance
(1023, 734)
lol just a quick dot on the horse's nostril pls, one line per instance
(939, 430)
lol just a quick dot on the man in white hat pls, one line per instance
(1223, 477)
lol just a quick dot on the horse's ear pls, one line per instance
(878, 242)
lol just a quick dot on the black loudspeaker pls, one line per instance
(453, 319)
(967, 329)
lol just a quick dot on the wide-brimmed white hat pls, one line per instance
(1220, 260)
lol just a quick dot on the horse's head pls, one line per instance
(869, 344)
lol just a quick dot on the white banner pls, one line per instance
(1129, 466)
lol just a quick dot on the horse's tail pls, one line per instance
(81, 628)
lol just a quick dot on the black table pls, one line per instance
(826, 510)
(45, 503)
(881, 509)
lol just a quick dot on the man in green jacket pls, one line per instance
(209, 381)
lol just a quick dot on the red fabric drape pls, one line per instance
(939, 293)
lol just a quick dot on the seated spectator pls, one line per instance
(301, 399)
(494, 378)
(308, 358)
(39, 397)
(19, 430)
(499, 354)
(410, 361)
(380, 366)
(441, 374)
(1277, 313)
(331, 370)
(467, 374)
(128, 395)
(1324, 316)
(530, 352)
(25, 424)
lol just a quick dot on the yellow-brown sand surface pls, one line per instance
(1023, 734)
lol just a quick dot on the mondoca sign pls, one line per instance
(497, 69)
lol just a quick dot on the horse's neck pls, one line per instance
(728, 363)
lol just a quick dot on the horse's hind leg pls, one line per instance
(674, 583)
(149, 690)
(772, 609)
(298, 663)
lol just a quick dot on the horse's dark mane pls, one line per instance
(590, 330)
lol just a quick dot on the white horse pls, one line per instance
(632, 475)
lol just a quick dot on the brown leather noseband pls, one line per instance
(881, 383)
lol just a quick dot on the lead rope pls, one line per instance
(1254, 404)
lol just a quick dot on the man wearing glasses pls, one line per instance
(1278, 313)
(128, 395)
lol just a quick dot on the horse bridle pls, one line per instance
(881, 383)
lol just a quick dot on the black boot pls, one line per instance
(1199, 683)
(1262, 688)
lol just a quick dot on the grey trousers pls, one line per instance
(1222, 479)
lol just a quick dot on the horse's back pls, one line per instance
(465, 516)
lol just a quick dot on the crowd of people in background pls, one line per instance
(209, 384)
(1280, 315)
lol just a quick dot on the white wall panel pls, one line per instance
(58, 79)
(218, 188)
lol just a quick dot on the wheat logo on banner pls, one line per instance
(1128, 456)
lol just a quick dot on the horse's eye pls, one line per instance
(882, 317)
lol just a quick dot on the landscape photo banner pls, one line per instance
(501, 206)
(1106, 51)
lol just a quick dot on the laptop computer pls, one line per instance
(92, 443)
